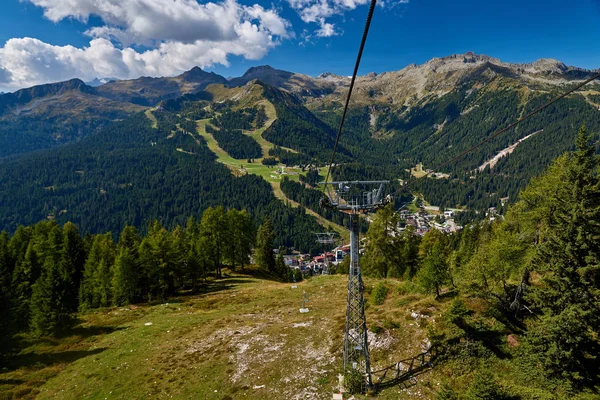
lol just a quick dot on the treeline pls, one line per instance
(525, 315)
(289, 158)
(228, 133)
(311, 198)
(235, 143)
(48, 272)
(297, 128)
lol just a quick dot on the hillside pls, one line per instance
(242, 338)
(50, 115)
(422, 114)
(502, 309)
(158, 166)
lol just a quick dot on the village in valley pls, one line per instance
(424, 219)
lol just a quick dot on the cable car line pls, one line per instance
(358, 58)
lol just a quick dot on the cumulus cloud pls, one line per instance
(178, 34)
(318, 11)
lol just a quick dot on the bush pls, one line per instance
(407, 287)
(376, 329)
(389, 324)
(457, 311)
(484, 386)
(446, 393)
(353, 381)
(379, 294)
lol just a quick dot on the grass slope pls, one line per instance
(243, 338)
(269, 173)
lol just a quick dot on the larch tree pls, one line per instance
(434, 252)
(263, 253)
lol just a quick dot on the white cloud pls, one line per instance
(180, 34)
(318, 11)
(326, 29)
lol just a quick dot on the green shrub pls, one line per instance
(353, 381)
(446, 393)
(376, 329)
(457, 311)
(407, 287)
(379, 294)
(389, 324)
(484, 386)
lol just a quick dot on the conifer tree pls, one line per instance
(6, 267)
(214, 231)
(124, 278)
(241, 237)
(565, 202)
(193, 268)
(95, 288)
(263, 254)
(25, 275)
(158, 261)
(71, 265)
(383, 255)
(19, 242)
(50, 312)
(434, 252)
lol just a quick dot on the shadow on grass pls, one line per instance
(403, 372)
(13, 382)
(89, 331)
(41, 360)
(259, 273)
(489, 338)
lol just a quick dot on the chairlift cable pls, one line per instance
(358, 58)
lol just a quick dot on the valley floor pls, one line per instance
(242, 338)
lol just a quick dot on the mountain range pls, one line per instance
(420, 114)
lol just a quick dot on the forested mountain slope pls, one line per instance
(132, 173)
(49, 115)
(421, 114)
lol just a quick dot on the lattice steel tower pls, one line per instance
(348, 197)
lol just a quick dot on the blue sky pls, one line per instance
(43, 41)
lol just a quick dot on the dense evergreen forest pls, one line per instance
(437, 129)
(229, 135)
(48, 272)
(132, 173)
(525, 315)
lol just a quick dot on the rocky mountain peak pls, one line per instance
(549, 65)
(197, 74)
(261, 69)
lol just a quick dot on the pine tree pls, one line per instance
(25, 275)
(241, 237)
(19, 242)
(565, 205)
(158, 260)
(263, 254)
(434, 269)
(214, 231)
(95, 288)
(383, 255)
(194, 263)
(6, 296)
(124, 279)
(50, 312)
(71, 265)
